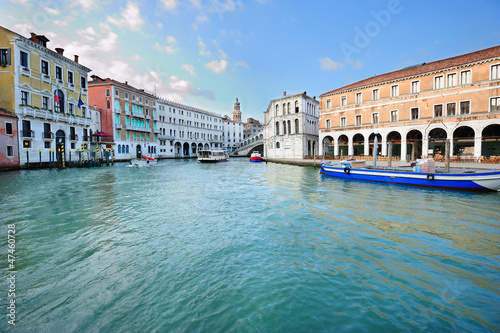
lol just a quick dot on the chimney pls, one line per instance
(76, 58)
(33, 37)
(59, 51)
(284, 93)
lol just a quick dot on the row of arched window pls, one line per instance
(123, 149)
(287, 127)
(286, 108)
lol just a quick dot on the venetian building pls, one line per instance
(291, 127)
(417, 109)
(47, 92)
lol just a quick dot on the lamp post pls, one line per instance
(375, 143)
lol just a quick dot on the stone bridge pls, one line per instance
(248, 149)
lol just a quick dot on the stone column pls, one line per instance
(384, 146)
(367, 145)
(336, 147)
(425, 146)
(478, 145)
(403, 150)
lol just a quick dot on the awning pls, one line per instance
(100, 134)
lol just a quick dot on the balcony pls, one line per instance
(157, 131)
(119, 126)
(128, 113)
(46, 78)
(71, 86)
(138, 129)
(28, 134)
(118, 111)
(24, 71)
(138, 115)
(166, 137)
(48, 135)
(148, 117)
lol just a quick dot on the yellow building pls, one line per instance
(44, 89)
(416, 109)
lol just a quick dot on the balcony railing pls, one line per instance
(119, 126)
(48, 135)
(28, 134)
(139, 129)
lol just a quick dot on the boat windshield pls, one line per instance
(205, 153)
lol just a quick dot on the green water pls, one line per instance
(245, 247)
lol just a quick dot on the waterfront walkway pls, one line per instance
(455, 165)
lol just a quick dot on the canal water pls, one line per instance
(246, 247)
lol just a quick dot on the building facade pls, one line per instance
(48, 93)
(9, 143)
(291, 127)
(128, 118)
(185, 130)
(233, 129)
(253, 131)
(414, 111)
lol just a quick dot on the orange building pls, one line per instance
(416, 109)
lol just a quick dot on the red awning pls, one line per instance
(100, 134)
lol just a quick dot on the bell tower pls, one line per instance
(237, 112)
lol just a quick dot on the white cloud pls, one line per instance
(189, 68)
(22, 2)
(223, 54)
(171, 49)
(196, 3)
(159, 25)
(171, 40)
(87, 5)
(108, 43)
(356, 64)
(222, 6)
(136, 57)
(242, 64)
(90, 34)
(170, 5)
(60, 23)
(185, 87)
(217, 66)
(328, 64)
(203, 50)
(202, 18)
(130, 18)
(157, 46)
(52, 11)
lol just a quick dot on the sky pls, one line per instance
(207, 53)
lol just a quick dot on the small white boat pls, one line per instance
(255, 157)
(144, 161)
(212, 156)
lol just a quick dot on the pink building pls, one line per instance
(9, 147)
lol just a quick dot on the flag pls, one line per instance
(80, 102)
(56, 94)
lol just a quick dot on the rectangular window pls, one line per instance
(45, 102)
(8, 128)
(438, 110)
(24, 97)
(495, 72)
(358, 120)
(451, 109)
(117, 121)
(438, 82)
(126, 95)
(342, 121)
(4, 57)
(71, 108)
(58, 73)
(414, 113)
(83, 82)
(495, 104)
(451, 80)
(465, 107)
(70, 77)
(359, 97)
(72, 133)
(328, 103)
(46, 144)
(46, 131)
(84, 111)
(10, 151)
(328, 123)
(374, 118)
(375, 94)
(394, 116)
(24, 59)
(465, 77)
(107, 92)
(45, 67)
(415, 87)
(117, 93)
(118, 135)
(394, 90)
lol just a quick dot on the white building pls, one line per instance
(253, 131)
(184, 130)
(291, 127)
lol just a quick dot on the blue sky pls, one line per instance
(205, 53)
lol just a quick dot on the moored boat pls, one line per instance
(212, 156)
(144, 161)
(255, 157)
(450, 179)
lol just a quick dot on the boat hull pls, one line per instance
(468, 181)
(255, 159)
(142, 163)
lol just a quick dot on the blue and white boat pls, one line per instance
(450, 179)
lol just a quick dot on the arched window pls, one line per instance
(277, 110)
(284, 127)
(296, 126)
(117, 105)
(127, 148)
(288, 108)
(277, 145)
(289, 123)
(277, 128)
(108, 104)
(296, 106)
(284, 108)
(119, 149)
(59, 101)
